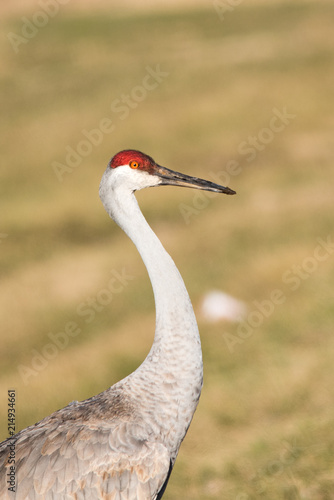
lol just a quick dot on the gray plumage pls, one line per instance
(122, 444)
(95, 449)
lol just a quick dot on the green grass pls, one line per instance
(264, 426)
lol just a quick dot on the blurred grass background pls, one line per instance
(265, 424)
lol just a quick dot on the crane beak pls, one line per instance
(171, 178)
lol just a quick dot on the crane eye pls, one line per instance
(134, 164)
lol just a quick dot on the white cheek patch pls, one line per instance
(133, 178)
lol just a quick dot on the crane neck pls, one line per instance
(171, 376)
(173, 305)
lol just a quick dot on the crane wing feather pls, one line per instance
(70, 456)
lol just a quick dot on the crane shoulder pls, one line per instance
(94, 449)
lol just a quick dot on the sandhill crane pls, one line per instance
(122, 443)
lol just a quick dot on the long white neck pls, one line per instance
(173, 307)
(170, 378)
(175, 320)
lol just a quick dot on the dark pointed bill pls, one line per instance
(171, 178)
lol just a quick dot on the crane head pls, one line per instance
(139, 170)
